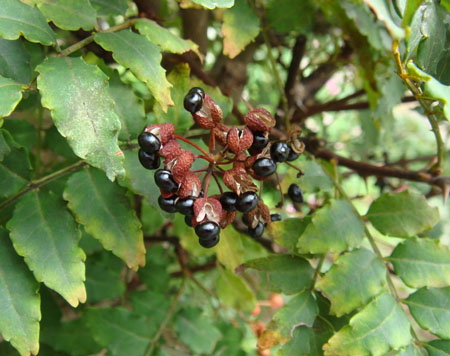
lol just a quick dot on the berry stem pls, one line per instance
(206, 154)
(295, 167)
(207, 179)
(281, 203)
(218, 182)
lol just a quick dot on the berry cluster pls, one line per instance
(247, 151)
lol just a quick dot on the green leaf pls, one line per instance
(432, 87)
(104, 210)
(229, 250)
(23, 132)
(14, 61)
(129, 107)
(438, 348)
(10, 95)
(233, 291)
(142, 57)
(17, 18)
(153, 305)
(301, 310)
(164, 38)
(19, 300)
(412, 350)
(69, 14)
(197, 332)
(212, 4)
(299, 345)
(4, 146)
(154, 275)
(288, 231)
(380, 327)
(334, 228)
(422, 263)
(82, 110)
(286, 15)
(283, 273)
(382, 11)
(121, 331)
(431, 309)
(402, 214)
(72, 337)
(240, 27)
(354, 279)
(110, 7)
(103, 278)
(410, 9)
(45, 234)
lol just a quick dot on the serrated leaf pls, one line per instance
(153, 305)
(380, 327)
(121, 331)
(431, 309)
(422, 263)
(299, 345)
(240, 27)
(287, 232)
(69, 14)
(402, 214)
(212, 4)
(354, 279)
(129, 107)
(381, 10)
(164, 38)
(77, 95)
(45, 234)
(197, 332)
(142, 57)
(233, 291)
(19, 300)
(72, 337)
(283, 273)
(301, 310)
(10, 95)
(285, 15)
(334, 228)
(438, 348)
(110, 7)
(229, 250)
(17, 18)
(14, 61)
(104, 210)
(432, 87)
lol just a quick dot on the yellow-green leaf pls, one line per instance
(10, 95)
(229, 250)
(233, 291)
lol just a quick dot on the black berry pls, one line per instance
(228, 201)
(185, 205)
(259, 141)
(210, 242)
(292, 156)
(275, 217)
(164, 180)
(149, 160)
(197, 90)
(256, 231)
(295, 193)
(207, 230)
(193, 102)
(149, 142)
(188, 220)
(264, 167)
(247, 202)
(167, 204)
(279, 151)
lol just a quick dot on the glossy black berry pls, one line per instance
(295, 193)
(228, 201)
(247, 202)
(149, 160)
(264, 167)
(259, 141)
(197, 90)
(185, 205)
(207, 230)
(292, 156)
(279, 151)
(188, 220)
(167, 204)
(210, 242)
(165, 181)
(256, 231)
(275, 217)
(193, 102)
(149, 142)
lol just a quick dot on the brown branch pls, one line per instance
(297, 54)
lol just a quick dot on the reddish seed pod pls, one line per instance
(259, 120)
(171, 150)
(190, 186)
(207, 209)
(239, 141)
(209, 115)
(164, 132)
(181, 165)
